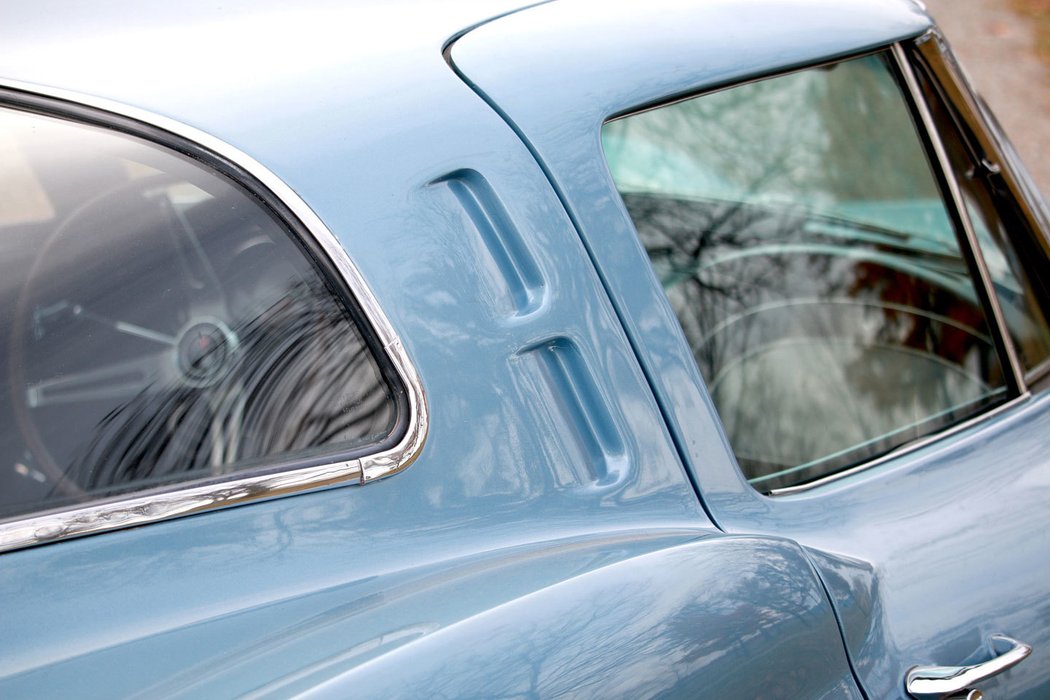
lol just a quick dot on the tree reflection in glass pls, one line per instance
(801, 239)
(162, 325)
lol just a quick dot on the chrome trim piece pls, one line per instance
(186, 500)
(1039, 372)
(933, 682)
(999, 166)
(905, 449)
(1016, 371)
(958, 92)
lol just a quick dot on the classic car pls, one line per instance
(481, 349)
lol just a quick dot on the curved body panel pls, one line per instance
(574, 522)
(627, 615)
(927, 555)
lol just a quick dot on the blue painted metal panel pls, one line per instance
(933, 552)
(724, 617)
(502, 465)
(557, 93)
(624, 615)
(548, 482)
(927, 555)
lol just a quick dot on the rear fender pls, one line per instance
(714, 617)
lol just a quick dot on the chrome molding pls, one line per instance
(905, 449)
(943, 162)
(179, 501)
(901, 59)
(1039, 372)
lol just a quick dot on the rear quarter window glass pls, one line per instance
(161, 325)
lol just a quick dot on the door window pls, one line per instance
(998, 225)
(802, 239)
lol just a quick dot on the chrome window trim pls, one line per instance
(1039, 372)
(955, 192)
(905, 449)
(962, 99)
(1017, 374)
(1018, 382)
(178, 501)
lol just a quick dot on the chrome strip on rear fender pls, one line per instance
(177, 501)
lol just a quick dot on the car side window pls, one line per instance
(996, 223)
(161, 324)
(801, 236)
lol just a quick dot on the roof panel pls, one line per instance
(201, 60)
(590, 59)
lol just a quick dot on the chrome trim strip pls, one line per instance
(180, 501)
(1039, 372)
(901, 59)
(906, 449)
(943, 161)
(959, 95)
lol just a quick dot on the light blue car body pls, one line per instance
(576, 523)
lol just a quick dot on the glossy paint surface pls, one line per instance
(548, 487)
(624, 632)
(611, 616)
(927, 555)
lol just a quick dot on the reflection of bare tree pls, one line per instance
(799, 236)
(666, 624)
(714, 261)
(814, 342)
(301, 378)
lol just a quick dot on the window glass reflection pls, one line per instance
(160, 325)
(996, 223)
(801, 239)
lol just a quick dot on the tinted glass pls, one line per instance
(159, 325)
(996, 223)
(801, 238)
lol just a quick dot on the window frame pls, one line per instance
(280, 477)
(984, 141)
(1019, 385)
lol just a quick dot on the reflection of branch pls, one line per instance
(812, 343)
(303, 378)
(688, 238)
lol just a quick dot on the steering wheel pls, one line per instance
(190, 351)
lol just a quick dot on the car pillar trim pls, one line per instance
(1016, 373)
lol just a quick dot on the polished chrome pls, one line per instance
(189, 498)
(930, 127)
(958, 91)
(936, 682)
(1038, 372)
